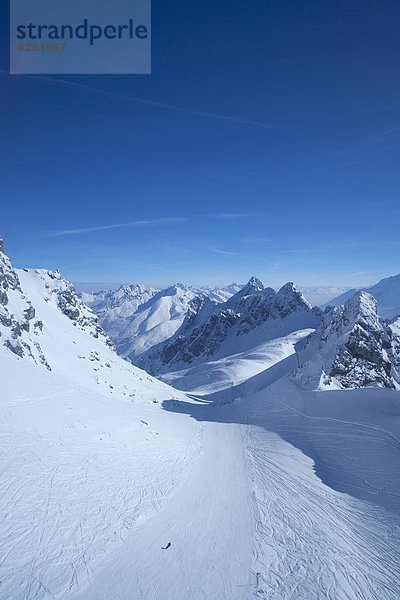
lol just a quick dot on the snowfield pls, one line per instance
(114, 485)
(278, 494)
(79, 471)
(218, 375)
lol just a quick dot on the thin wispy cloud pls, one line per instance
(221, 251)
(143, 223)
(154, 103)
(248, 215)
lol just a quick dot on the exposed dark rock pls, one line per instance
(208, 325)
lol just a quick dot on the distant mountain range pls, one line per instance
(317, 295)
(138, 317)
(250, 317)
(386, 292)
(182, 327)
(161, 330)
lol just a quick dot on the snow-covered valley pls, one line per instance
(270, 473)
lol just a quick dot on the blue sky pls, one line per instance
(266, 141)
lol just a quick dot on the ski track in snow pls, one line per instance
(310, 540)
(207, 522)
(236, 490)
(65, 503)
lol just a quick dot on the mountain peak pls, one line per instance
(255, 283)
(386, 292)
(291, 292)
(253, 286)
(352, 348)
(289, 287)
(361, 305)
(1, 244)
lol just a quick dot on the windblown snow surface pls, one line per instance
(262, 489)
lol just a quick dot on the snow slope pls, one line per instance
(278, 494)
(94, 473)
(217, 375)
(79, 470)
(386, 292)
(260, 489)
(324, 475)
(323, 480)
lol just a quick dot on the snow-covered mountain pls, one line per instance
(252, 316)
(115, 308)
(42, 320)
(386, 292)
(138, 317)
(114, 485)
(154, 321)
(352, 348)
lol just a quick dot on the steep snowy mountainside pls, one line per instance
(251, 317)
(352, 348)
(21, 330)
(155, 321)
(43, 321)
(395, 326)
(386, 292)
(394, 335)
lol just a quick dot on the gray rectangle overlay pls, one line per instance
(80, 37)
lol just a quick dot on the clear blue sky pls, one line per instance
(266, 141)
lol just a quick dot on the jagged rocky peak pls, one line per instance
(289, 298)
(386, 292)
(253, 285)
(199, 303)
(19, 331)
(289, 289)
(363, 307)
(358, 313)
(62, 292)
(29, 301)
(353, 348)
(212, 330)
(8, 277)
